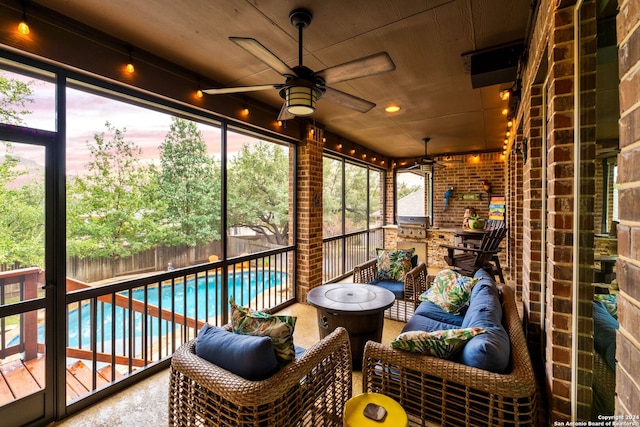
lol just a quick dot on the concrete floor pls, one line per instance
(145, 403)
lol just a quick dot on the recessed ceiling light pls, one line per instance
(392, 109)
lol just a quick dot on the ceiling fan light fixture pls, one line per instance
(392, 109)
(301, 100)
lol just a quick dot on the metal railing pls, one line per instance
(341, 253)
(120, 328)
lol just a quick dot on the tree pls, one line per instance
(108, 210)
(355, 196)
(188, 187)
(21, 188)
(14, 96)
(331, 197)
(21, 214)
(259, 191)
(405, 189)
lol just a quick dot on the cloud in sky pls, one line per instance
(87, 114)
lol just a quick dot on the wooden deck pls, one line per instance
(19, 379)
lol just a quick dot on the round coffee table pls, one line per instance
(359, 308)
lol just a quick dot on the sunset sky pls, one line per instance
(87, 114)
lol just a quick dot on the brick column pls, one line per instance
(309, 204)
(532, 224)
(628, 269)
(560, 218)
(560, 213)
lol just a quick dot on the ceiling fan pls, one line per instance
(303, 86)
(426, 162)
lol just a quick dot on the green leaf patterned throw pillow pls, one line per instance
(443, 344)
(450, 290)
(393, 264)
(279, 328)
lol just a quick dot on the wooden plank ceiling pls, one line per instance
(425, 38)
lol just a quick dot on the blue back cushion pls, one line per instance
(435, 312)
(251, 357)
(490, 351)
(423, 323)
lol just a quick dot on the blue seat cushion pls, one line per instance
(490, 351)
(250, 356)
(423, 323)
(391, 285)
(299, 351)
(435, 312)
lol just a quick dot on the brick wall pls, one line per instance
(628, 341)
(466, 173)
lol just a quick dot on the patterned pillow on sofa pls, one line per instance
(442, 344)
(393, 264)
(450, 290)
(278, 328)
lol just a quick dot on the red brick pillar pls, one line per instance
(309, 204)
(628, 269)
(560, 214)
(532, 216)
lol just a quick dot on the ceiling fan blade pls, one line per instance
(363, 67)
(236, 89)
(284, 114)
(349, 101)
(256, 48)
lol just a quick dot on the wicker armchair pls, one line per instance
(444, 392)
(407, 293)
(310, 391)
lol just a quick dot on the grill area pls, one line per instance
(412, 233)
(413, 227)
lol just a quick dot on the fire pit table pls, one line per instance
(359, 308)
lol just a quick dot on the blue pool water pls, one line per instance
(199, 299)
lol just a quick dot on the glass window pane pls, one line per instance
(143, 189)
(331, 197)
(410, 194)
(21, 235)
(27, 97)
(376, 214)
(355, 198)
(259, 194)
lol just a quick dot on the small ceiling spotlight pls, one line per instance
(392, 108)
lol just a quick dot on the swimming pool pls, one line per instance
(199, 299)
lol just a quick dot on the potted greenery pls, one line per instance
(476, 223)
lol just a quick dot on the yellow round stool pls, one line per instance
(354, 411)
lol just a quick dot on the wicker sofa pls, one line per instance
(309, 391)
(446, 392)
